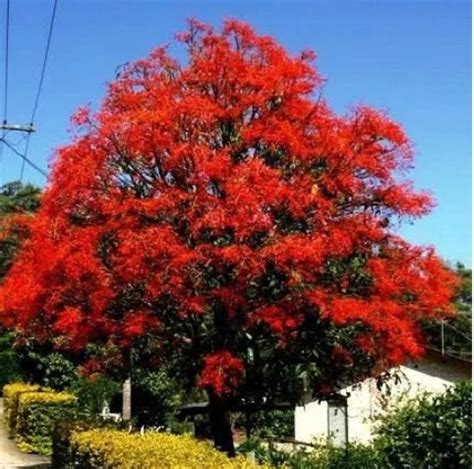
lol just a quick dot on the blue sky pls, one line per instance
(410, 57)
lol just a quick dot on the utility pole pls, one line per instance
(443, 350)
(5, 127)
(28, 129)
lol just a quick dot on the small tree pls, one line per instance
(217, 216)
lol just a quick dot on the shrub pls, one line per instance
(432, 432)
(37, 412)
(61, 438)
(10, 370)
(323, 456)
(101, 448)
(353, 456)
(11, 394)
(94, 391)
(156, 398)
(58, 372)
(266, 454)
(40, 364)
(269, 423)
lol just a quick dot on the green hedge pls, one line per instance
(11, 394)
(354, 456)
(106, 448)
(433, 432)
(37, 413)
(320, 456)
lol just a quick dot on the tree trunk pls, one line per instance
(248, 424)
(127, 386)
(219, 416)
(127, 399)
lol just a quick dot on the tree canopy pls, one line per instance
(463, 296)
(18, 202)
(453, 335)
(218, 215)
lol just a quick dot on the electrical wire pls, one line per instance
(40, 86)
(45, 61)
(25, 158)
(5, 98)
(7, 47)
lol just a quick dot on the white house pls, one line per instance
(352, 419)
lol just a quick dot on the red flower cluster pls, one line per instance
(222, 372)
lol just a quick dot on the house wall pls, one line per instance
(365, 402)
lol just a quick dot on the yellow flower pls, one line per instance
(152, 450)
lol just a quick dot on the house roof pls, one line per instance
(446, 367)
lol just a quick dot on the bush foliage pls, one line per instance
(62, 456)
(11, 394)
(273, 424)
(94, 392)
(41, 364)
(322, 456)
(101, 448)
(354, 456)
(157, 398)
(10, 370)
(432, 432)
(37, 412)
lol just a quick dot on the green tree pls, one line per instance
(16, 199)
(464, 295)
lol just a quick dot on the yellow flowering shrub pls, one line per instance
(11, 395)
(37, 413)
(106, 448)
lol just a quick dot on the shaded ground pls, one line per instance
(10, 457)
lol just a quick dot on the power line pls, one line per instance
(7, 47)
(24, 158)
(5, 98)
(40, 86)
(27, 147)
(20, 140)
(45, 60)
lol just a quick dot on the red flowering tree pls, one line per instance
(218, 216)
